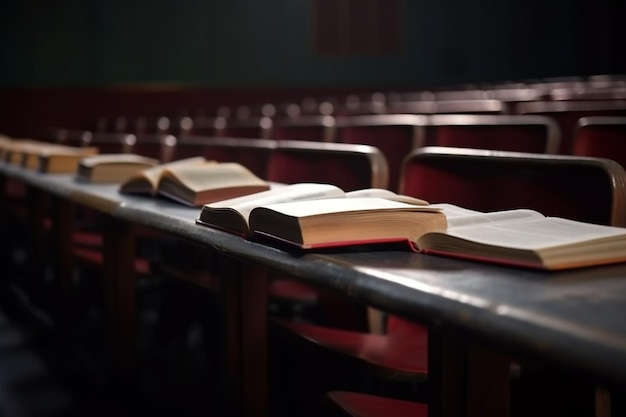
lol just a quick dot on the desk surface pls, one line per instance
(574, 318)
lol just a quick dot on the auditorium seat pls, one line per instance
(250, 127)
(254, 154)
(317, 128)
(395, 135)
(348, 166)
(361, 104)
(71, 137)
(355, 404)
(580, 188)
(601, 136)
(112, 142)
(150, 125)
(159, 146)
(487, 106)
(567, 113)
(535, 134)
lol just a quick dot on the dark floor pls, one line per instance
(48, 371)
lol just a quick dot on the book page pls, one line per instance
(285, 194)
(535, 233)
(388, 194)
(459, 217)
(211, 175)
(343, 205)
(153, 174)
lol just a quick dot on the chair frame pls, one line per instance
(262, 123)
(164, 141)
(416, 121)
(569, 105)
(125, 140)
(614, 171)
(378, 163)
(553, 137)
(600, 121)
(206, 142)
(325, 121)
(448, 107)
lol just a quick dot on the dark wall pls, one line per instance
(67, 63)
(270, 42)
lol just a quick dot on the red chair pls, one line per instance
(254, 154)
(348, 166)
(394, 134)
(314, 128)
(535, 134)
(587, 189)
(578, 188)
(488, 106)
(249, 127)
(355, 404)
(158, 146)
(77, 138)
(112, 142)
(567, 113)
(602, 136)
(151, 125)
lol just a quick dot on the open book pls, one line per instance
(198, 184)
(232, 215)
(112, 168)
(525, 238)
(345, 221)
(514, 237)
(146, 181)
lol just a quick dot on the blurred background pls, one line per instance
(65, 63)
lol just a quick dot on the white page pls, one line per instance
(343, 205)
(534, 233)
(289, 193)
(461, 217)
(384, 193)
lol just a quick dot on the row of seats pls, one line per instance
(397, 135)
(580, 188)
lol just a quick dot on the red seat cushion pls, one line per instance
(405, 352)
(364, 405)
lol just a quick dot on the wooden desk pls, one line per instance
(572, 318)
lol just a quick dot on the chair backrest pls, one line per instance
(347, 166)
(151, 125)
(181, 126)
(254, 154)
(580, 188)
(488, 106)
(157, 146)
(394, 134)
(589, 93)
(567, 113)
(69, 137)
(361, 104)
(112, 142)
(602, 136)
(316, 128)
(535, 134)
(249, 127)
